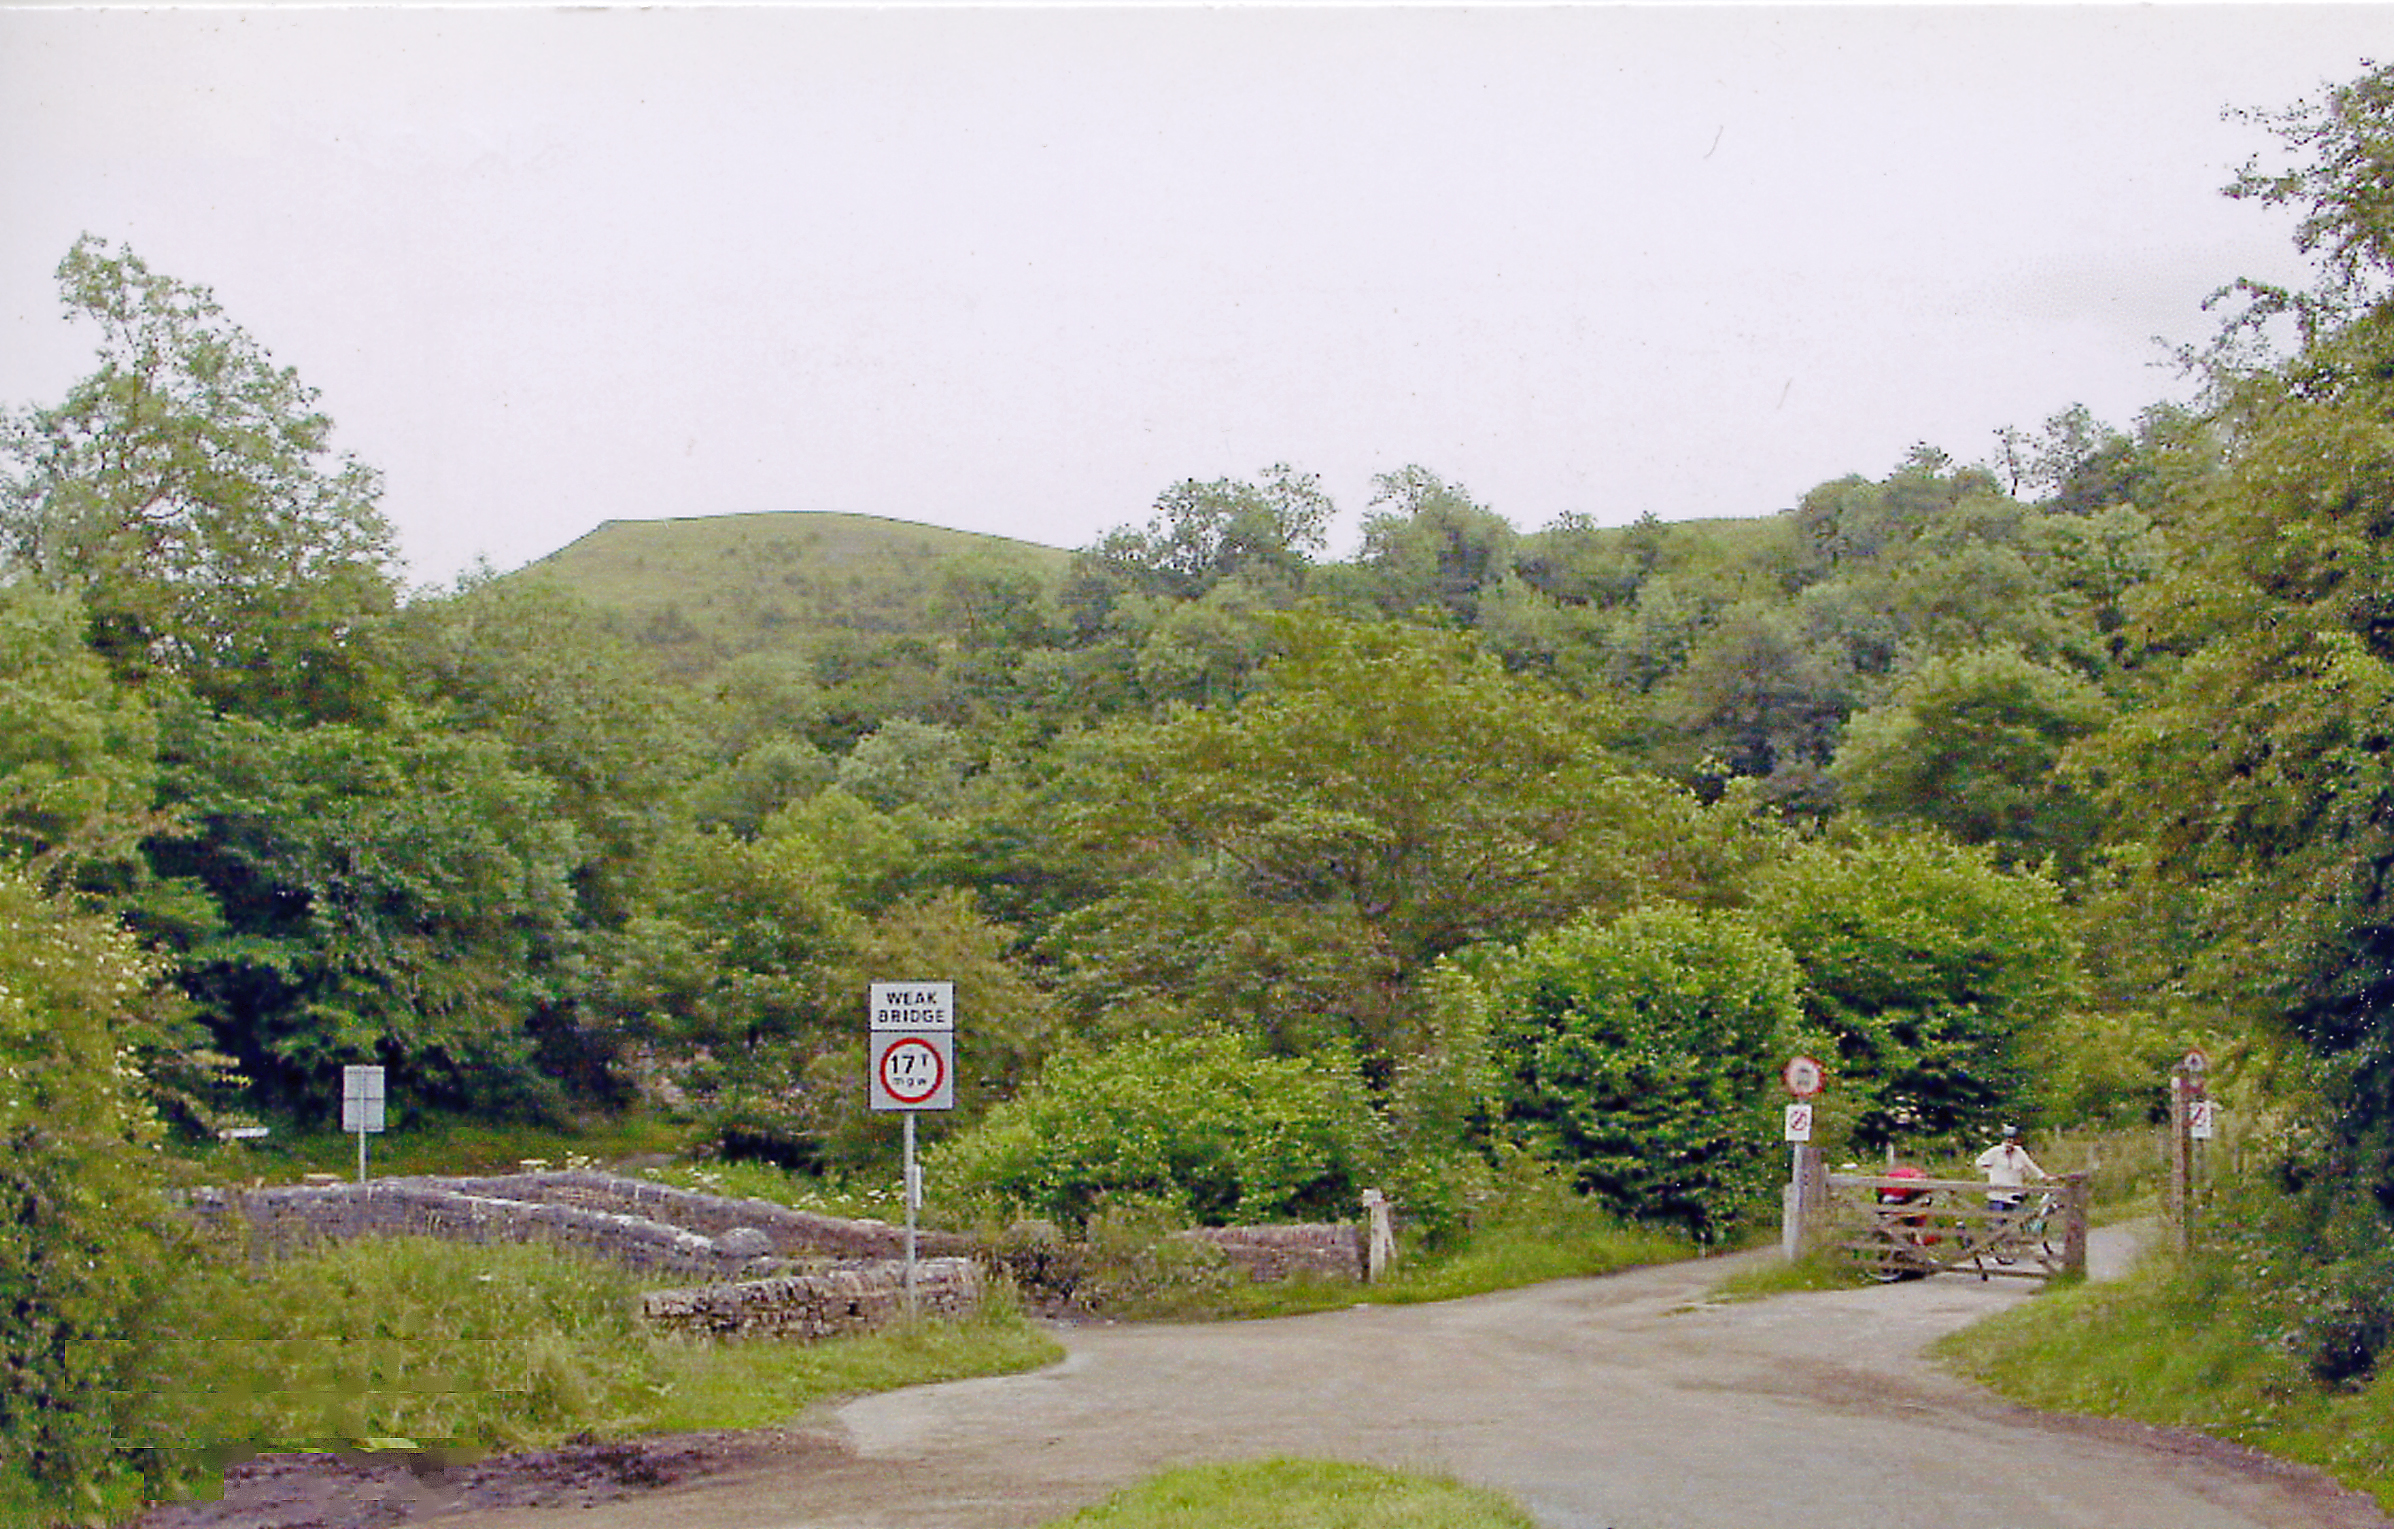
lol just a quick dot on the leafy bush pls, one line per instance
(2347, 1319)
(1933, 973)
(1641, 1053)
(1199, 1127)
(82, 1253)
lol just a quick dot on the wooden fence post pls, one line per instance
(2075, 1193)
(1379, 1245)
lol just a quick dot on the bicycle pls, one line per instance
(2025, 1228)
(1901, 1236)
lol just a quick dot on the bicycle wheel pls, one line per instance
(1890, 1257)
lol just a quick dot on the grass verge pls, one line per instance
(1299, 1494)
(410, 1344)
(1827, 1269)
(1143, 1276)
(2185, 1345)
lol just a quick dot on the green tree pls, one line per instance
(400, 894)
(1009, 1022)
(740, 796)
(530, 664)
(1641, 1052)
(734, 983)
(1204, 533)
(1972, 744)
(1938, 978)
(1756, 700)
(2254, 784)
(904, 762)
(77, 751)
(2338, 165)
(82, 1250)
(188, 493)
(1388, 795)
(1432, 546)
(1652, 637)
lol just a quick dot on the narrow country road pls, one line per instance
(1619, 1403)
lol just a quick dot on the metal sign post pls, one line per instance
(361, 1108)
(912, 1027)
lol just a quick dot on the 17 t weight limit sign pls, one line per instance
(914, 1072)
(913, 1028)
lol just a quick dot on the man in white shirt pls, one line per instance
(2009, 1169)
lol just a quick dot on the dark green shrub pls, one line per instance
(1933, 974)
(1197, 1127)
(2346, 1320)
(1642, 1055)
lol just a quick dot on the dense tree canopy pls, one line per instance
(187, 491)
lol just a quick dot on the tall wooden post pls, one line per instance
(2181, 1154)
(2074, 1207)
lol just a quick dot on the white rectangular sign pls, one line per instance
(2201, 1119)
(1799, 1122)
(361, 1099)
(911, 1007)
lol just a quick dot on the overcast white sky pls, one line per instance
(1016, 270)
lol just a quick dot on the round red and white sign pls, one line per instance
(1804, 1077)
(912, 1071)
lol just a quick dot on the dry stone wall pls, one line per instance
(794, 1233)
(758, 1267)
(1322, 1250)
(808, 1307)
(289, 1217)
(650, 1228)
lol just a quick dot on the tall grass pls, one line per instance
(414, 1344)
(405, 1342)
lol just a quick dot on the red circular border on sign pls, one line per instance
(939, 1071)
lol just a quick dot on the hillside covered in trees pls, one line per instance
(1262, 875)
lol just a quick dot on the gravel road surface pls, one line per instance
(1618, 1403)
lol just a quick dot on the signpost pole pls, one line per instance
(910, 1198)
(1804, 1078)
(2186, 1086)
(361, 1108)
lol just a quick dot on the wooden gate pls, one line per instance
(1907, 1228)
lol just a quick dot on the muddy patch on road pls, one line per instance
(362, 1491)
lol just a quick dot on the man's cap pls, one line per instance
(2011, 1130)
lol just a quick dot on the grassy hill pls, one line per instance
(699, 590)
